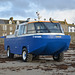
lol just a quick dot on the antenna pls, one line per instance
(38, 15)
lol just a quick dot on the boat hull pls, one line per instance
(38, 44)
(50, 44)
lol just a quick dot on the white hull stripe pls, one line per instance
(13, 36)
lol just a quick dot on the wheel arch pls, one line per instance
(23, 48)
(8, 46)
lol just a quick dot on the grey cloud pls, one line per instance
(55, 4)
(20, 7)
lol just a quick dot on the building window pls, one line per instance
(3, 34)
(70, 27)
(10, 22)
(10, 33)
(10, 28)
(4, 27)
(70, 30)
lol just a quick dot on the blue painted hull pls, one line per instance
(44, 45)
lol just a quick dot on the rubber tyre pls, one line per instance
(9, 55)
(59, 58)
(26, 57)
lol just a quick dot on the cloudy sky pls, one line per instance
(22, 9)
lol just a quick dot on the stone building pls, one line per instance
(71, 28)
(7, 27)
(67, 27)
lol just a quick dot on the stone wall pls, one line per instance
(1, 40)
(1, 47)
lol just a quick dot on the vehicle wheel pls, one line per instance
(9, 55)
(59, 57)
(26, 56)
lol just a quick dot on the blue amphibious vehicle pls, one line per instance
(32, 39)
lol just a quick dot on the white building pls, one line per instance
(71, 28)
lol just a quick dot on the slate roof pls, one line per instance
(4, 21)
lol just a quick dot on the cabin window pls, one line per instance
(31, 28)
(23, 29)
(53, 27)
(16, 33)
(41, 28)
(47, 27)
(17, 27)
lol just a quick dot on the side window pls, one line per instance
(31, 28)
(16, 33)
(23, 29)
(17, 27)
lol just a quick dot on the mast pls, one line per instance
(38, 15)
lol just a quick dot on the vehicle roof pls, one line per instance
(38, 21)
(43, 21)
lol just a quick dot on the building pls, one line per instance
(7, 27)
(67, 27)
(71, 28)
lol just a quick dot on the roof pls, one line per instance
(43, 21)
(71, 25)
(62, 22)
(5, 21)
(65, 23)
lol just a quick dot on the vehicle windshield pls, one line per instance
(47, 27)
